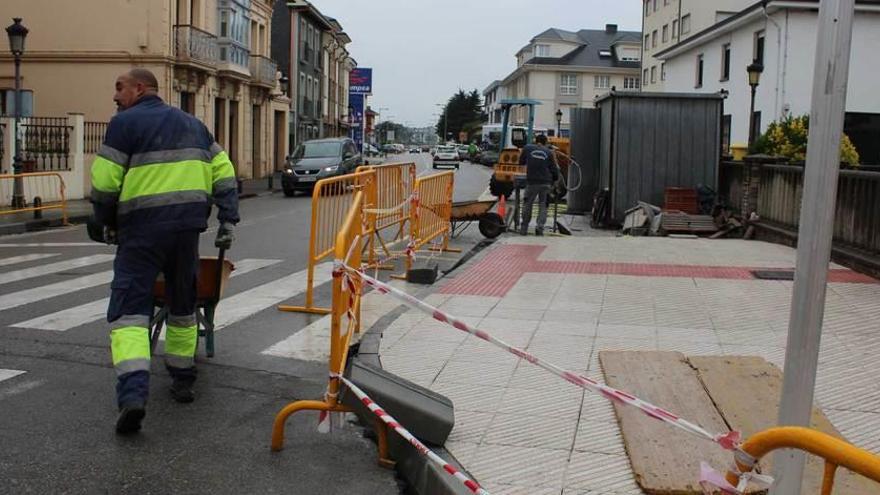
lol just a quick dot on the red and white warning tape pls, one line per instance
(425, 451)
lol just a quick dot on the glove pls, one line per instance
(110, 236)
(224, 236)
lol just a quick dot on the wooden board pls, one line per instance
(665, 460)
(746, 391)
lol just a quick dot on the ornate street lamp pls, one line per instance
(755, 70)
(285, 83)
(17, 34)
(559, 122)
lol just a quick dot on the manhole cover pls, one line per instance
(773, 274)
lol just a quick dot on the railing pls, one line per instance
(263, 70)
(232, 52)
(394, 195)
(193, 44)
(94, 136)
(45, 144)
(39, 192)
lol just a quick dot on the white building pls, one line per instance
(781, 35)
(666, 22)
(493, 94)
(564, 70)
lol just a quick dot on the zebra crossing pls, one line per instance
(234, 308)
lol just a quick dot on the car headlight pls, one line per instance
(288, 170)
(331, 169)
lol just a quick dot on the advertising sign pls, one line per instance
(360, 81)
(356, 107)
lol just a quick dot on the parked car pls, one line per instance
(446, 156)
(489, 157)
(415, 150)
(370, 150)
(318, 159)
(463, 153)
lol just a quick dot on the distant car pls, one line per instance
(446, 156)
(489, 157)
(318, 159)
(415, 150)
(463, 153)
(370, 150)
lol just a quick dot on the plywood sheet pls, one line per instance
(746, 392)
(665, 460)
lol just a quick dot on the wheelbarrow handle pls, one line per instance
(221, 258)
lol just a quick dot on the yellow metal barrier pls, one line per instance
(331, 201)
(394, 188)
(433, 194)
(835, 451)
(346, 297)
(40, 191)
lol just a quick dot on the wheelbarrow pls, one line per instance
(211, 280)
(491, 224)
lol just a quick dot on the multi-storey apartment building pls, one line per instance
(666, 22)
(337, 65)
(210, 57)
(564, 70)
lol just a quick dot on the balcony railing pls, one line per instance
(233, 53)
(193, 44)
(263, 70)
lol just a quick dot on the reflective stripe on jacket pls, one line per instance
(159, 170)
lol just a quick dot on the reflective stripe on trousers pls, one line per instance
(130, 346)
(181, 336)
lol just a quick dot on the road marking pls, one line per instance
(62, 321)
(7, 374)
(22, 297)
(61, 266)
(56, 244)
(25, 258)
(20, 388)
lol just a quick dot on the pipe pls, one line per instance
(776, 106)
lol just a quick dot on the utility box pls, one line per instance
(428, 415)
(652, 141)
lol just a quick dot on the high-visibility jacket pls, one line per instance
(159, 170)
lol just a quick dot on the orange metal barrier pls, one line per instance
(332, 200)
(835, 451)
(40, 191)
(431, 219)
(346, 300)
(394, 188)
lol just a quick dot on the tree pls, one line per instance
(402, 134)
(463, 112)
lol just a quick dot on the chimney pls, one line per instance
(610, 28)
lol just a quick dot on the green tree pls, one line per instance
(463, 112)
(402, 134)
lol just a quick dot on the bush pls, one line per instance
(788, 138)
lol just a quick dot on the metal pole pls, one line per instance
(752, 129)
(17, 187)
(816, 229)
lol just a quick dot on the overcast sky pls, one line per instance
(422, 51)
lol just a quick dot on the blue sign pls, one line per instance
(360, 81)
(356, 110)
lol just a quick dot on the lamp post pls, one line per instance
(559, 122)
(17, 34)
(755, 70)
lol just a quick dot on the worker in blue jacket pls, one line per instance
(153, 183)
(541, 173)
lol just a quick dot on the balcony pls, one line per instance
(263, 71)
(234, 57)
(193, 45)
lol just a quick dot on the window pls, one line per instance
(602, 82)
(647, 41)
(647, 8)
(653, 74)
(674, 28)
(7, 103)
(685, 24)
(542, 50)
(630, 83)
(604, 53)
(758, 56)
(302, 84)
(645, 77)
(665, 2)
(665, 33)
(568, 84)
(654, 39)
(725, 62)
(699, 81)
(663, 71)
(655, 5)
(188, 102)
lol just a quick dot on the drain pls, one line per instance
(773, 274)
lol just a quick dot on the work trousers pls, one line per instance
(539, 192)
(139, 260)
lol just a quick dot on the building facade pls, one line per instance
(781, 36)
(492, 95)
(210, 57)
(565, 70)
(666, 22)
(337, 65)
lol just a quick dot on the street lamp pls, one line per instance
(558, 122)
(17, 34)
(755, 70)
(285, 83)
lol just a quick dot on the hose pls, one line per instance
(580, 174)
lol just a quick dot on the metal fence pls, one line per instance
(94, 136)
(45, 144)
(193, 44)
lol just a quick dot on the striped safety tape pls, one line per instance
(472, 485)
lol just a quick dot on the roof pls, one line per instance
(655, 95)
(749, 14)
(591, 41)
(494, 84)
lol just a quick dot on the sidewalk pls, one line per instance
(521, 430)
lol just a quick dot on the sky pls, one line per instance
(423, 51)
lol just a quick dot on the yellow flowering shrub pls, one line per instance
(788, 138)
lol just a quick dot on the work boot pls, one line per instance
(182, 390)
(524, 231)
(539, 232)
(129, 420)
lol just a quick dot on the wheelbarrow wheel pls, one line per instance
(491, 225)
